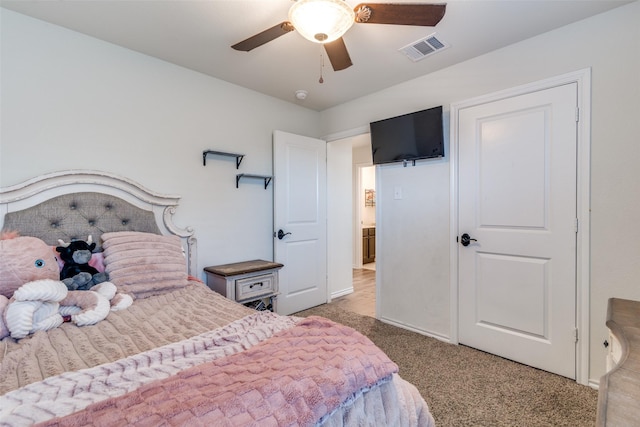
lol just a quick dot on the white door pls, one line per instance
(517, 199)
(300, 211)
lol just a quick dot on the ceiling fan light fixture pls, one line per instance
(321, 21)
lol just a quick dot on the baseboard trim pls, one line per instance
(342, 293)
(402, 325)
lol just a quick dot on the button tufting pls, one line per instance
(55, 225)
(92, 222)
(73, 206)
(125, 221)
(108, 206)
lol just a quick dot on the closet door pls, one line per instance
(517, 225)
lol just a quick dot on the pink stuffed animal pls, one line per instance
(25, 259)
(32, 298)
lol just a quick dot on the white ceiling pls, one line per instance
(197, 34)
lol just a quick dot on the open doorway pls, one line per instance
(350, 285)
(367, 202)
(363, 298)
(364, 201)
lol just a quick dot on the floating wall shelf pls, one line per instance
(238, 157)
(267, 179)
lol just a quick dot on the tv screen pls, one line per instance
(411, 136)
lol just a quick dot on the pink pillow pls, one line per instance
(144, 264)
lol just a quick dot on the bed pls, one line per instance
(181, 354)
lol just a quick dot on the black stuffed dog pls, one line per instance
(77, 274)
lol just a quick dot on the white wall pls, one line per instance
(412, 234)
(339, 214)
(70, 101)
(415, 245)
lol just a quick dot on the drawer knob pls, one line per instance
(255, 284)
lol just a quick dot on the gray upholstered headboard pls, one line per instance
(78, 215)
(75, 204)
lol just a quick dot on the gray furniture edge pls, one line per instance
(619, 391)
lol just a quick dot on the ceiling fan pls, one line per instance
(325, 21)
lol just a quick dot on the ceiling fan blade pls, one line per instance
(338, 54)
(264, 37)
(426, 15)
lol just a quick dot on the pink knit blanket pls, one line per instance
(295, 378)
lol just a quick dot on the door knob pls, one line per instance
(281, 234)
(465, 239)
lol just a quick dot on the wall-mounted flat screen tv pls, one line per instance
(411, 136)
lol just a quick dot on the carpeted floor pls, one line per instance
(467, 387)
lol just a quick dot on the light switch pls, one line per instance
(397, 193)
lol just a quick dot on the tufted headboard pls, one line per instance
(77, 203)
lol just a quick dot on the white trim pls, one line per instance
(55, 181)
(402, 325)
(379, 228)
(346, 134)
(342, 292)
(357, 226)
(583, 207)
(583, 251)
(357, 232)
(453, 224)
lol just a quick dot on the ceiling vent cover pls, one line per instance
(424, 47)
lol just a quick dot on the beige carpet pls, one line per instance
(467, 387)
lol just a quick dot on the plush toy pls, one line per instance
(90, 307)
(24, 259)
(43, 301)
(77, 274)
(46, 304)
(34, 307)
(4, 329)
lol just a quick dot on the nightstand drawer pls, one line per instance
(251, 287)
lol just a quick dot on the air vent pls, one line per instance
(424, 47)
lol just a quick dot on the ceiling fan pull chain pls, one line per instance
(321, 65)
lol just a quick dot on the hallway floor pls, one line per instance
(363, 298)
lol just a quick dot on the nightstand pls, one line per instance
(247, 282)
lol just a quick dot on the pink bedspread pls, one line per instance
(295, 378)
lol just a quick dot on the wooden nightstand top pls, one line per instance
(243, 267)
